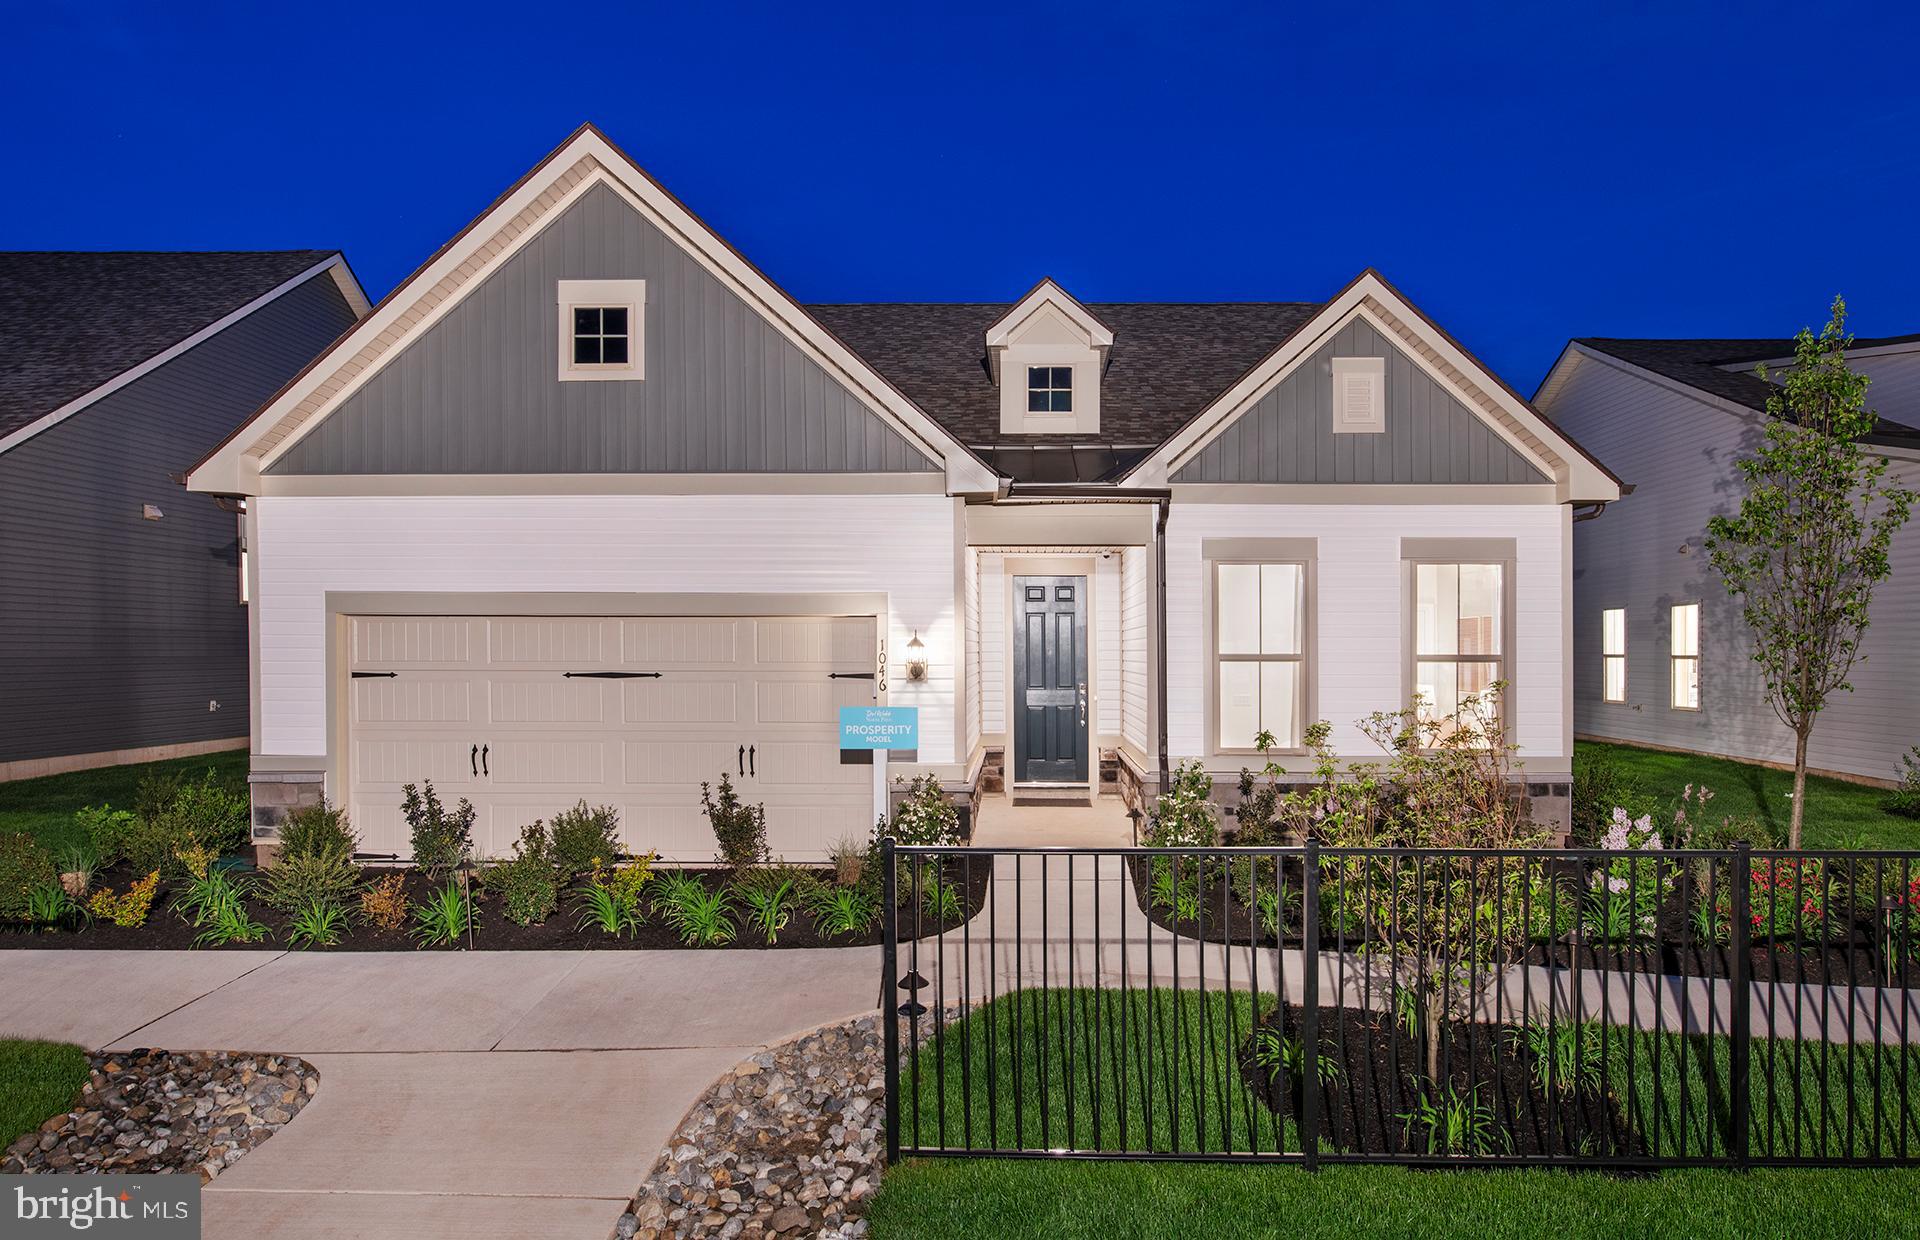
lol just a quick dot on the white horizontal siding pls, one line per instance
(1107, 685)
(1359, 609)
(761, 544)
(1678, 452)
(1135, 604)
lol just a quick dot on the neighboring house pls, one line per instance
(589, 507)
(1662, 656)
(123, 617)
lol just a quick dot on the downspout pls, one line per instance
(1162, 505)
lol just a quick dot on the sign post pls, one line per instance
(870, 733)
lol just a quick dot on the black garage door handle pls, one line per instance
(483, 761)
(743, 759)
(473, 760)
(750, 769)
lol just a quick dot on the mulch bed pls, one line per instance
(1381, 1073)
(166, 930)
(1852, 952)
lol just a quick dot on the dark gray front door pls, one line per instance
(1050, 680)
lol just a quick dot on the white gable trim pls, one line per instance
(1048, 292)
(335, 265)
(1578, 478)
(585, 160)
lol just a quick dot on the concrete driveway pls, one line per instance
(480, 1094)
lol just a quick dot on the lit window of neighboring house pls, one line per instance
(1260, 653)
(1459, 646)
(1686, 656)
(1613, 654)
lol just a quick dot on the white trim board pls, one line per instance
(586, 159)
(336, 264)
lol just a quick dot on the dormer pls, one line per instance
(1047, 355)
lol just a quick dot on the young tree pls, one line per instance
(1810, 540)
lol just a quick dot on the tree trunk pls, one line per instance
(1799, 788)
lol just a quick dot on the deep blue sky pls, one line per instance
(1524, 174)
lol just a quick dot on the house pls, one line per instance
(123, 603)
(1662, 656)
(590, 507)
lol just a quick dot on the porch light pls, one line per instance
(916, 657)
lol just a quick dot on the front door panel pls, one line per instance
(1050, 679)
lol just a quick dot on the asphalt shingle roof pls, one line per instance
(1169, 361)
(71, 320)
(1697, 363)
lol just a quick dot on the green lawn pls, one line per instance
(45, 807)
(970, 1199)
(37, 1080)
(1839, 814)
(930, 1199)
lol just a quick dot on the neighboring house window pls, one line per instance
(602, 329)
(1459, 646)
(1613, 654)
(246, 592)
(1049, 389)
(1260, 653)
(1686, 656)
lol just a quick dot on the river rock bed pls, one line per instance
(147, 1111)
(791, 1142)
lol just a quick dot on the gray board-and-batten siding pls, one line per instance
(724, 391)
(117, 631)
(1431, 437)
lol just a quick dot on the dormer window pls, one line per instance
(1046, 355)
(1049, 389)
(602, 329)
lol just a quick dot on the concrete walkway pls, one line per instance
(509, 1094)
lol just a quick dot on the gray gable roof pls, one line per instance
(72, 320)
(1697, 363)
(1169, 361)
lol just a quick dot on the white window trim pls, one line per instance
(1411, 656)
(1674, 660)
(246, 586)
(1307, 559)
(1050, 412)
(1608, 656)
(1374, 369)
(630, 295)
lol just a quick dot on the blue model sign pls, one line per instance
(879, 727)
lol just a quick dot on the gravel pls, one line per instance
(146, 1111)
(791, 1142)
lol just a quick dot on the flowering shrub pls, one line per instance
(1903, 920)
(129, 908)
(1624, 896)
(1785, 900)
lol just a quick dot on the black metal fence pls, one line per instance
(1559, 1007)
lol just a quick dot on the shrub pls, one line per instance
(77, 864)
(155, 793)
(129, 908)
(1624, 896)
(844, 910)
(207, 813)
(106, 830)
(1279, 1054)
(220, 908)
(442, 838)
(1905, 799)
(703, 918)
(610, 900)
(769, 906)
(1453, 1124)
(318, 831)
(317, 923)
(24, 865)
(849, 859)
(443, 917)
(49, 906)
(294, 881)
(384, 903)
(1184, 816)
(740, 829)
(924, 817)
(1600, 786)
(527, 883)
(1566, 1054)
(585, 837)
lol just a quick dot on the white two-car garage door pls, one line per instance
(525, 715)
